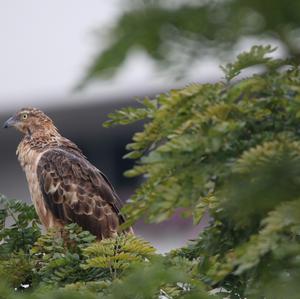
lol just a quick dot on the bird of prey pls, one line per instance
(64, 186)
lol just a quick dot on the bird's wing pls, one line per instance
(76, 191)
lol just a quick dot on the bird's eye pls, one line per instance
(24, 116)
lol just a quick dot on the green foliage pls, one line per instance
(118, 254)
(70, 263)
(19, 229)
(23, 226)
(177, 33)
(194, 134)
(58, 255)
(256, 56)
(128, 115)
(158, 279)
(230, 150)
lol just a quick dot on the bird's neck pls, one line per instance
(37, 142)
(43, 134)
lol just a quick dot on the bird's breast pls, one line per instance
(29, 159)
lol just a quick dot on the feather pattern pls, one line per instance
(75, 191)
(65, 187)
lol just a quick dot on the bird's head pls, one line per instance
(30, 121)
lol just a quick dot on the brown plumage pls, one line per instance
(64, 186)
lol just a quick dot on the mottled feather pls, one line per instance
(75, 191)
(65, 187)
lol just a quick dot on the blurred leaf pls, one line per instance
(178, 34)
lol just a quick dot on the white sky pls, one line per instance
(47, 45)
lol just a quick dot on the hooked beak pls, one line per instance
(10, 122)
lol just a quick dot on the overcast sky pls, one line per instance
(46, 46)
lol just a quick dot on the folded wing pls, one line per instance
(76, 191)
